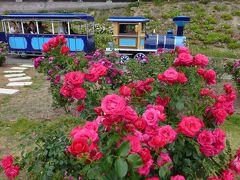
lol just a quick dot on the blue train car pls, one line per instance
(131, 39)
(26, 33)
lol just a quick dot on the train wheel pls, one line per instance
(140, 57)
(124, 59)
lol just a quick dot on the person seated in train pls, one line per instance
(18, 27)
(41, 28)
(12, 28)
(25, 27)
(31, 28)
(62, 28)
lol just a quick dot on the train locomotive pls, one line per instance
(130, 39)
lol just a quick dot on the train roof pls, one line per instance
(127, 19)
(82, 16)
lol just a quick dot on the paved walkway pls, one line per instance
(16, 76)
(52, 6)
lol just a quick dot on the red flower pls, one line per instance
(7, 161)
(12, 172)
(183, 59)
(177, 177)
(73, 79)
(45, 47)
(140, 124)
(162, 101)
(227, 175)
(125, 91)
(80, 108)
(113, 104)
(200, 60)
(79, 93)
(92, 77)
(99, 69)
(79, 146)
(190, 125)
(64, 49)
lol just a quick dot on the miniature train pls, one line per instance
(128, 34)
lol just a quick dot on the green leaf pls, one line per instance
(135, 160)
(124, 149)
(121, 167)
(180, 105)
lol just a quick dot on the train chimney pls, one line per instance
(181, 21)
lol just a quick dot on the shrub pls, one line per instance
(163, 122)
(94, 73)
(233, 68)
(3, 52)
(220, 7)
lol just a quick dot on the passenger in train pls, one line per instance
(12, 28)
(41, 28)
(62, 29)
(31, 28)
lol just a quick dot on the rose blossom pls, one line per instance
(205, 138)
(64, 49)
(99, 69)
(182, 49)
(79, 93)
(168, 133)
(130, 114)
(183, 59)
(7, 161)
(177, 177)
(12, 172)
(78, 146)
(73, 79)
(91, 77)
(200, 60)
(113, 104)
(190, 125)
(151, 116)
(145, 170)
(227, 175)
(163, 159)
(125, 91)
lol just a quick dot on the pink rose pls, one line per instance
(84, 132)
(235, 165)
(219, 115)
(65, 91)
(207, 150)
(177, 177)
(140, 124)
(74, 79)
(12, 172)
(79, 93)
(157, 141)
(168, 133)
(171, 74)
(210, 76)
(200, 60)
(130, 114)
(145, 155)
(92, 77)
(7, 161)
(113, 104)
(227, 175)
(214, 178)
(205, 138)
(163, 159)
(183, 59)
(190, 125)
(153, 178)
(182, 49)
(151, 116)
(99, 69)
(145, 170)
(182, 78)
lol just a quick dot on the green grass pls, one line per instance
(5, 99)
(232, 127)
(215, 52)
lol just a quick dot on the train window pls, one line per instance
(127, 29)
(44, 27)
(90, 28)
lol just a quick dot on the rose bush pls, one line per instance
(163, 123)
(3, 52)
(233, 68)
(82, 80)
